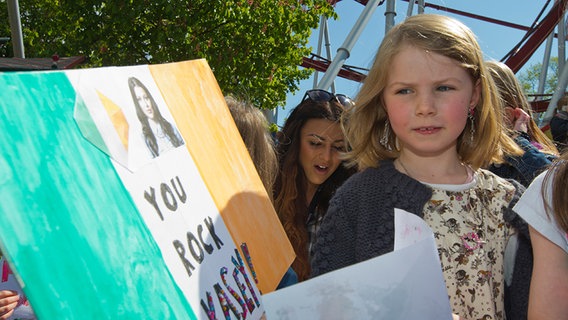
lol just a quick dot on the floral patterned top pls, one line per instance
(471, 236)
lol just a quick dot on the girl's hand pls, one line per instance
(517, 119)
(521, 120)
(509, 117)
(8, 302)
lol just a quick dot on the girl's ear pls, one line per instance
(475, 95)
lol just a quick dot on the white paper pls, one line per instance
(405, 284)
(409, 229)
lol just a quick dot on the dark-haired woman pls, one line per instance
(309, 148)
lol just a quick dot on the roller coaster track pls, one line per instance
(515, 59)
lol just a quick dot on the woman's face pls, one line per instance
(321, 142)
(144, 102)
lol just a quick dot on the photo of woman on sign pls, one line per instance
(159, 135)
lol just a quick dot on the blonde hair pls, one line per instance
(367, 121)
(511, 95)
(253, 127)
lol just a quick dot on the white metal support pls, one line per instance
(558, 93)
(421, 6)
(343, 52)
(561, 42)
(390, 13)
(562, 77)
(328, 54)
(545, 62)
(16, 28)
(323, 32)
(410, 8)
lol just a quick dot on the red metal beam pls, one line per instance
(540, 105)
(523, 54)
(322, 65)
(31, 64)
(475, 16)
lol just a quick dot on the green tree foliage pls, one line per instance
(530, 77)
(254, 47)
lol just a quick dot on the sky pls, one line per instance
(495, 40)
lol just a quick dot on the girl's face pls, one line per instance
(321, 142)
(427, 98)
(144, 102)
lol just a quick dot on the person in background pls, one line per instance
(12, 304)
(158, 134)
(539, 150)
(544, 207)
(423, 126)
(8, 302)
(253, 128)
(309, 149)
(559, 123)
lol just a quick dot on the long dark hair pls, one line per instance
(289, 188)
(167, 127)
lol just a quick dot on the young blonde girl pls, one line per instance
(538, 149)
(423, 126)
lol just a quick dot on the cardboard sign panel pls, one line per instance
(224, 161)
(85, 219)
(151, 157)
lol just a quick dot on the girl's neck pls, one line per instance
(434, 171)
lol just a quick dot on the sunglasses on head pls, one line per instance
(319, 95)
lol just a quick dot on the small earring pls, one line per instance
(472, 127)
(385, 138)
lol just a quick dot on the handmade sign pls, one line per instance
(131, 187)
